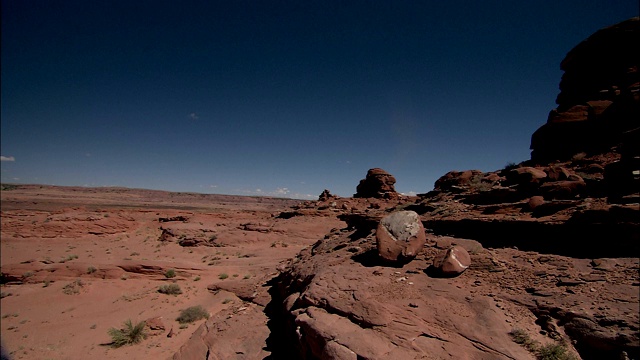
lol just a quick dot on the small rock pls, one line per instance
(454, 261)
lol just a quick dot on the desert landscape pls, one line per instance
(538, 260)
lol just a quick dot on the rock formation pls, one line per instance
(326, 195)
(377, 184)
(599, 96)
(508, 249)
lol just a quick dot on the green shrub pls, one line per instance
(91, 270)
(554, 352)
(170, 273)
(192, 314)
(129, 335)
(223, 276)
(170, 289)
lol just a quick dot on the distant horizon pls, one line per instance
(278, 99)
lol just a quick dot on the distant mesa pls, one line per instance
(599, 98)
(377, 184)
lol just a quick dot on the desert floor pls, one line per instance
(78, 261)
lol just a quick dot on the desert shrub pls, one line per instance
(519, 336)
(170, 273)
(192, 314)
(73, 288)
(91, 270)
(197, 278)
(554, 352)
(69, 258)
(170, 289)
(510, 166)
(223, 276)
(129, 335)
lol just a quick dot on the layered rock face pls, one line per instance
(599, 96)
(377, 184)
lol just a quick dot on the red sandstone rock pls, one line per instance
(400, 236)
(377, 184)
(456, 178)
(562, 189)
(453, 261)
(597, 101)
(534, 202)
(326, 195)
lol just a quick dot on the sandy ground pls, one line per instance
(78, 261)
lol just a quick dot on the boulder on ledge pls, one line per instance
(400, 236)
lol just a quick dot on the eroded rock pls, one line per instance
(400, 236)
(454, 261)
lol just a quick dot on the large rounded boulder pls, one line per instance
(400, 236)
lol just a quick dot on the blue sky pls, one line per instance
(281, 98)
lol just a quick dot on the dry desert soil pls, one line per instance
(79, 261)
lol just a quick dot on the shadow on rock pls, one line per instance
(371, 258)
(434, 272)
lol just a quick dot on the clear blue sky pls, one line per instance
(281, 98)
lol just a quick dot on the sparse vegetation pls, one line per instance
(554, 351)
(73, 288)
(91, 270)
(129, 335)
(510, 166)
(247, 277)
(226, 301)
(197, 278)
(223, 276)
(170, 289)
(69, 258)
(192, 314)
(171, 273)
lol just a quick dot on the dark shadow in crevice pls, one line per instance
(281, 342)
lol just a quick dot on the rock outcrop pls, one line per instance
(599, 96)
(377, 184)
